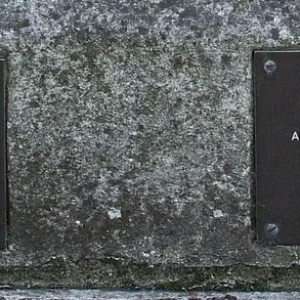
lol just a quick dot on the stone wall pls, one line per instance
(130, 142)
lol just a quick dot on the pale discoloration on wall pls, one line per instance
(141, 108)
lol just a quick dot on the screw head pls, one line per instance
(271, 230)
(270, 67)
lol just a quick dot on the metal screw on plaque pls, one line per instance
(270, 67)
(271, 230)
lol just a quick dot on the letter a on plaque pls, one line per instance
(295, 136)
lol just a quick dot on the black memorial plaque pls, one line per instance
(277, 146)
(3, 195)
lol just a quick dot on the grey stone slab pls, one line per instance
(130, 137)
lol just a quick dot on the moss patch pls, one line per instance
(119, 273)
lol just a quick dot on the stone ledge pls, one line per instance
(112, 273)
(161, 295)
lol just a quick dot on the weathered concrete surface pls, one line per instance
(130, 131)
(161, 295)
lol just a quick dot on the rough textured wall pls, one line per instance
(130, 129)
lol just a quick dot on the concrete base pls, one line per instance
(100, 294)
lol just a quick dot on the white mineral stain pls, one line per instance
(218, 213)
(247, 221)
(284, 33)
(114, 213)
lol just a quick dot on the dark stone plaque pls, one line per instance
(3, 180)
(277, 144)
